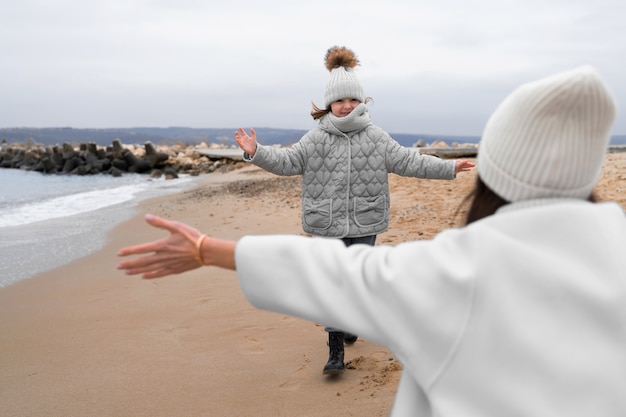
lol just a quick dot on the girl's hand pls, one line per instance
(463, 165)
(246, 142)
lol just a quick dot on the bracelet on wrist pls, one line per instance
(198, 254)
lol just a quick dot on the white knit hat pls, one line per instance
(343, 82)
(548, 138)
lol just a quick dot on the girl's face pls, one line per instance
(344, 106)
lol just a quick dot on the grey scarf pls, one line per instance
(357, 120)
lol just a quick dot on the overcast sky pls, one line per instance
(431, 66)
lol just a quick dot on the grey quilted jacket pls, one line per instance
(344, 164)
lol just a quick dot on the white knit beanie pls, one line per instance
(343, 82)
(548, 138)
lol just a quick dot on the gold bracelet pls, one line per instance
(199, 242)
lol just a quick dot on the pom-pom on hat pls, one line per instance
(548, 138)
(343, 83)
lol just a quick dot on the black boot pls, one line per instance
(335, 364)
(349, 338)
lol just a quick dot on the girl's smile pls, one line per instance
(344, 106)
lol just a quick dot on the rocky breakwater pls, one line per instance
(117, 159)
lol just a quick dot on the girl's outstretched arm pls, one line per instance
(185, 249)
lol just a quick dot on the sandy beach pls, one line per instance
(86, 340)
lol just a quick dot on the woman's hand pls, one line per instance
(245, 141)
(180, 252)
(185, 249)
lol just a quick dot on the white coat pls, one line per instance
(522, 313)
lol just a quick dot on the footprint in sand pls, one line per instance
(381, 369)
(294, 380)
(370, 362)
(253, 345)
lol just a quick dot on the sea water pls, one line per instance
(49, 220)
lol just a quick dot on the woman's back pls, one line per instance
(546, 332)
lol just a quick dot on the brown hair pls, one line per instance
(318, 113)
(485, 202)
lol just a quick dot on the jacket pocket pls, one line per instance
(370, 211)
(317, 214)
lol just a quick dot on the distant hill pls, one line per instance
(139, 135)
(190, 136)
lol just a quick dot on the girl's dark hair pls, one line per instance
(485, 202)
(318, 113)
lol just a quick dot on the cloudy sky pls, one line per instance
(432, 67)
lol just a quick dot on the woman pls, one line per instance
(520, 312)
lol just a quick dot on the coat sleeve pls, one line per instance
(410, 298)
(280, 161)
(411, 163)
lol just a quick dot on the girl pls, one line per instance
(344, 163)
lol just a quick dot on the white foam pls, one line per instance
(81, 202)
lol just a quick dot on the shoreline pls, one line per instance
(43, 246)
(32, 248)
(85, 339)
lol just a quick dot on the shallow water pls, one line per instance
(48, 220)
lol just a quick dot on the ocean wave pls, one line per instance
(23, 212)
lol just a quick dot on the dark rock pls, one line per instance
(90, 159)
(101, 165)
(153, 157)
(46, 166)
(70, 164)
(80, 170)
(68, 151)
(57, 156)
(117, 149)
(170, 173)
(119, 164)
(135, 164)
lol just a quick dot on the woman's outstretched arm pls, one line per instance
(184, 249)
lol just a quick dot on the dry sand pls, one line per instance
(86, 340)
